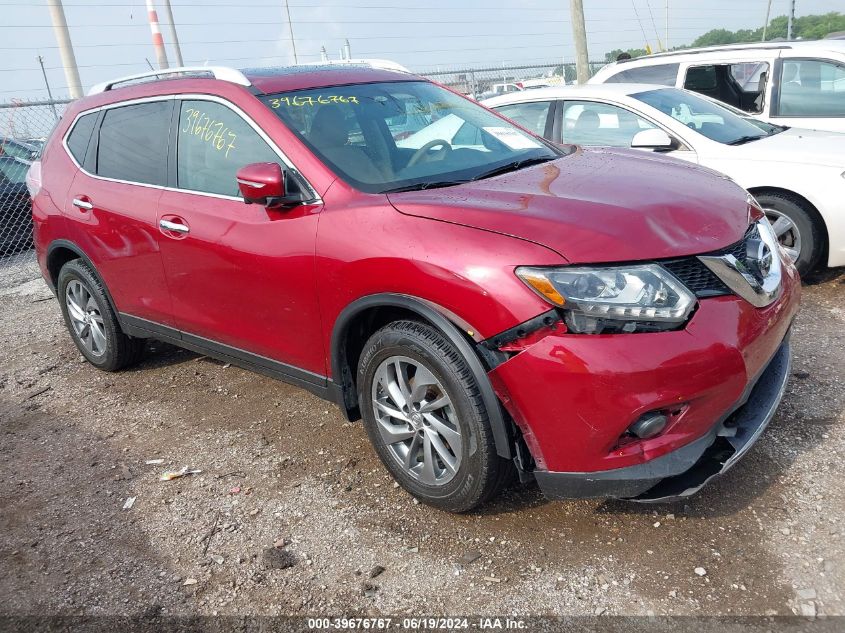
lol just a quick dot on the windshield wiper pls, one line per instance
(517, 164)
(419, 186)
(746, 139)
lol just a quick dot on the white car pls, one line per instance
(797, 175)
(797, 83)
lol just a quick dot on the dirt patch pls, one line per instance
(292, 511)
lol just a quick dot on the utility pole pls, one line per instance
(292, 38)
(791, 18)
(158, 41)
(766, 23)
(47, 83)
(57, 15)
(579, 35)
(667, 25)
(177, 50)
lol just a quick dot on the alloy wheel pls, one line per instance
(787, 232)
(416, 420)
(85, 318)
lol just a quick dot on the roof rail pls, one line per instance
(222, 73)
(714, 48)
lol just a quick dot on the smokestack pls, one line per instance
(324, 56)
(347, 50)
(158, 41)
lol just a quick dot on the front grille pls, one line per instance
(700, 279)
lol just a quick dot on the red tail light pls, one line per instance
(33, 178)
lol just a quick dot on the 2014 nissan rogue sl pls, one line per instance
(605, 322)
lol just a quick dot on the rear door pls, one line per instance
(112, 205)
(241, 276)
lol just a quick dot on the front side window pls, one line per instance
(590, 123)
(133, 143)
(705, 117)
(382, 137)
(532, 115)
(660, 74)
(812, 88)
(213, 142)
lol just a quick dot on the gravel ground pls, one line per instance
(293, 514)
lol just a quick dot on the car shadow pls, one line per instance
(825, 275)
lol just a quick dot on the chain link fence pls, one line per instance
(24, 126)
(484, 82)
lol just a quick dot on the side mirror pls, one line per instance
(653, 139)
(269, 185)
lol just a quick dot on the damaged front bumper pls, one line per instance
(687, 469)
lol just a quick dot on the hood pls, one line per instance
(797, 145)
(598, 205)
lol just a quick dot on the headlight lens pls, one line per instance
(604, 300)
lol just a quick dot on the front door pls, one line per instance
(241, 276)
(810, 93)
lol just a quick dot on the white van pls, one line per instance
(798, 84)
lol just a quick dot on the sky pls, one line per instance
(111, 38)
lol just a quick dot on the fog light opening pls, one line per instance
(649, 425)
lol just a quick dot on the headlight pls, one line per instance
(604, 300)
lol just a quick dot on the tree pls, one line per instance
(633, 52)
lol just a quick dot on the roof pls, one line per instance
(303, 77)
(572, 92)
(834, 45)
(714, 51)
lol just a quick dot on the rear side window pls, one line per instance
(80, 135)
(133, 143)
(213, 143)
(532, 115)
(661, 74)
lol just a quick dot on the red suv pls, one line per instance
(607, 323)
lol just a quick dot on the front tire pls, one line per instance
(92, 323)
(797, 228)
(424, 415)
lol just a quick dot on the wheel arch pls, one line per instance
(804, 202)
(361, 318)
(59, 253)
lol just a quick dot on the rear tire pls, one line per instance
(798, 228)
(424, 414)
(92, 323)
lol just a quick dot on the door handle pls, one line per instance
(83, 205)
(167, 225)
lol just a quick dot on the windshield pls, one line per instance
(705, 117)
(13, 170)
(382, 137)
(9, 147)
